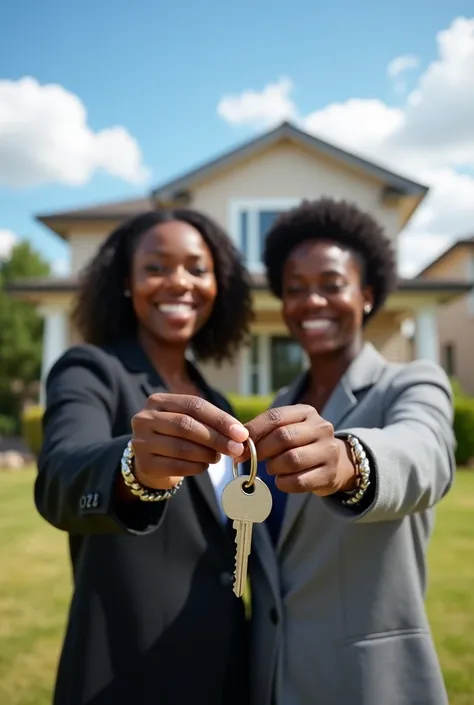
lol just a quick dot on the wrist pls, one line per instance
(347, 468)
(135, 487)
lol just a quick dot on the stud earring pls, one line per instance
(126, 293)
(367, 308)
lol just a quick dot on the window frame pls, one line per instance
(253, 206)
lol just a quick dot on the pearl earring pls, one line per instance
(367, 308)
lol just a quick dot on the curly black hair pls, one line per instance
(103, 315)
(340, 222)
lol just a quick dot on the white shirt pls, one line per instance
(221, 474)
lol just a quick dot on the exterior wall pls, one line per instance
(286, 171)
(84, 244)
(456, 320)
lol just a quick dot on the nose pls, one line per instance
(179, 279)
(316, 300)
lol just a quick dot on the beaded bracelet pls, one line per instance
(144, 493)
(362, 466)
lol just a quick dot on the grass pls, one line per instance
(35, 590)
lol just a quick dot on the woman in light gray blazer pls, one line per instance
(357, 452)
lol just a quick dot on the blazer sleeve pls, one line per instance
(79, 462)
(412, 456)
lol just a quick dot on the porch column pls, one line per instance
(55, 340)
(426, 334)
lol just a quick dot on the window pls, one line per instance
(286, 361)
(272, 362)
(449, 359)
(250, 221)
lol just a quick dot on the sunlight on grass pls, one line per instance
(35, 589)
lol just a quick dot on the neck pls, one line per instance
(326, 370)
(168, 360)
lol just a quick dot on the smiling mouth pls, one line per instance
(176, 309)
(317, 325)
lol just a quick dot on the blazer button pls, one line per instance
(273, 616)
(226, 579)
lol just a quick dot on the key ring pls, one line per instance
(253, 464)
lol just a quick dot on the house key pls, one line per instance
(247, 500)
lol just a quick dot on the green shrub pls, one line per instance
(31, 428)
(247, 408)
(464, 429)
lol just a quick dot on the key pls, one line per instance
(247, 501)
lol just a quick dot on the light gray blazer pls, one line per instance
(338, 615)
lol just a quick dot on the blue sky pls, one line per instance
(160, 70)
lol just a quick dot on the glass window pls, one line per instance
(254, 366)
(287, 361)
(265, 222)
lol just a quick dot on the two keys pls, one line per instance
(247, 501)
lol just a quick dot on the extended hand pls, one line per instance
(177, 435)
(300, 450)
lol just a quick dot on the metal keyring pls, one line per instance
(253, 464)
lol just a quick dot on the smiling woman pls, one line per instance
(137, 448)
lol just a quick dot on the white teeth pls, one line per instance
(317, 324)
(175, 308)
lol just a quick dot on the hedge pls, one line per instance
(246, 408)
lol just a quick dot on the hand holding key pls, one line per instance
(247, 500)
(177, 435)
(301, 451)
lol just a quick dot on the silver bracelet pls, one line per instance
(144, 493)
(362, 466)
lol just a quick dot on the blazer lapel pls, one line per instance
(150, 382)
(362, 373)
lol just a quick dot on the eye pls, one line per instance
(198, 270)
(155, 268)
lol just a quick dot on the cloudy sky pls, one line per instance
(98, 105)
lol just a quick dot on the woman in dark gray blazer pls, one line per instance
(153, 619)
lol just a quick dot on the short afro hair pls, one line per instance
(343, 223)
(103, 315)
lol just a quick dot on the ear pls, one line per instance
(368, 298)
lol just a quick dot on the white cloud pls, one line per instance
(45, 138)
(401, 64)
(267, 107)
(429, 138)
(7, 241)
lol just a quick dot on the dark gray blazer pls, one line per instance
(353, 628)
(153, 619)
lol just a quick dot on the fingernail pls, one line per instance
(239, 432)
(234, 448)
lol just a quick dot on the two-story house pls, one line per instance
(456, 319)
(244, 190)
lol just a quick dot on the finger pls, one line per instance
(177, 448)
(183, 426)
(278, 416)
(200, 410)
(316, 480)
(262, 425)
(286, 437)
(297, 460)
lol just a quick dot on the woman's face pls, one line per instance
(172, 282)
(323, 297)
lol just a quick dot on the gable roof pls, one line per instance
(178, 187)
(287, 131)
(463, 242)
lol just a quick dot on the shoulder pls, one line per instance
(84, 361)
(400, 376)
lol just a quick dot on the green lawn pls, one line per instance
(35, 587)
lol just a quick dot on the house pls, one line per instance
(244, 190)
(456, 319)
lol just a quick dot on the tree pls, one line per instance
(21, 330)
